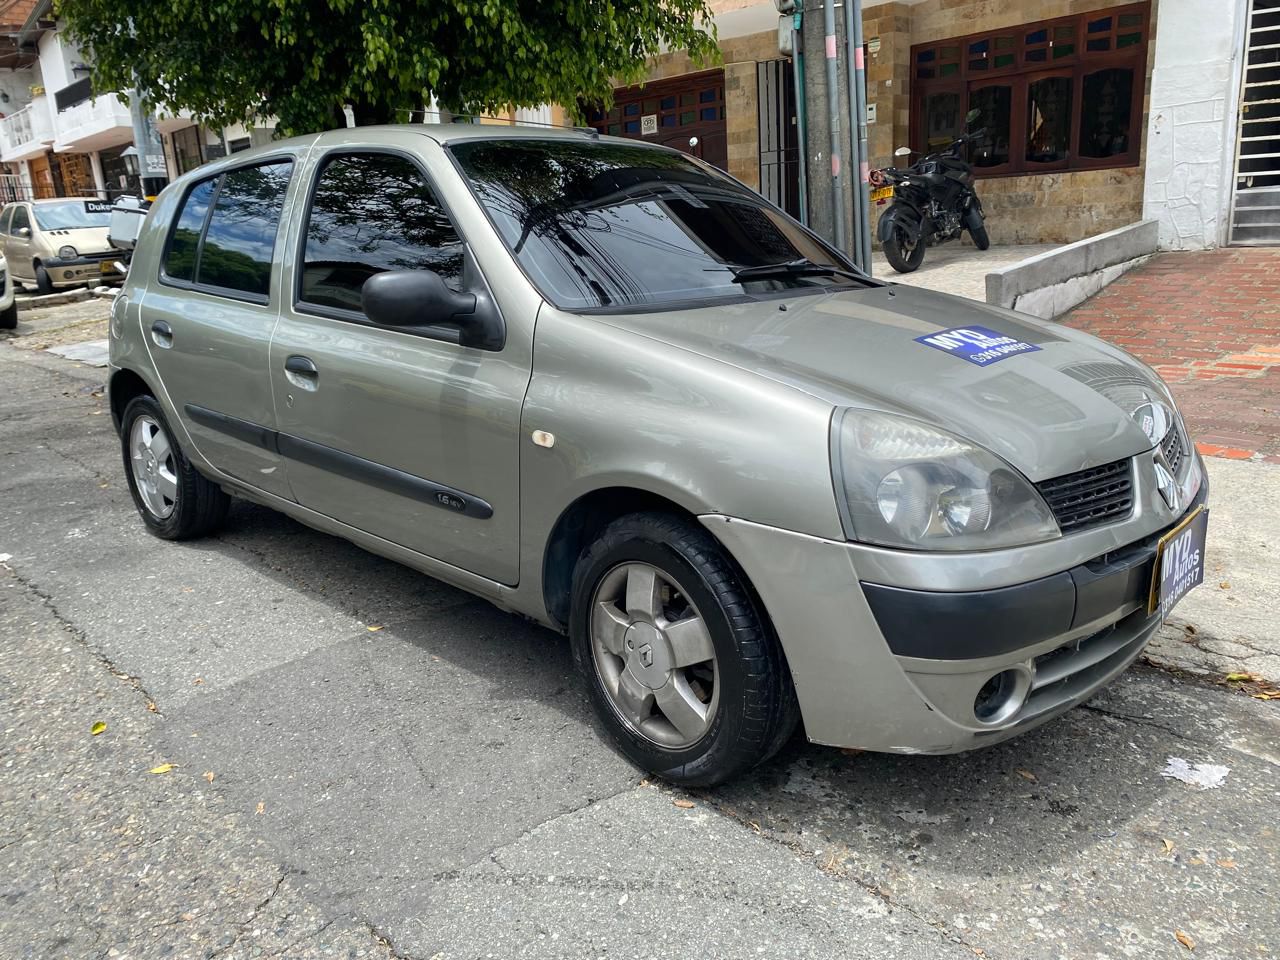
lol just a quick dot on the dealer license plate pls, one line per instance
(881, 193)
(1179, 562)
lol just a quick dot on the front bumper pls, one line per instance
(81, 270)
(898, 668)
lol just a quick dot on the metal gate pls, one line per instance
(1255, 206)
(779, 143)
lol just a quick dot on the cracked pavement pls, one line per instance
(436, 788)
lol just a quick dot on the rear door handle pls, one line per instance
(301, 372)
(162, 334)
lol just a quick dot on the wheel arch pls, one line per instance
(578, 525)
(124, 385)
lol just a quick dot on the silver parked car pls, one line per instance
(606, 386)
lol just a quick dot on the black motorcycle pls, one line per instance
(933, 201)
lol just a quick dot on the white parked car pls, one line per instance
(8, 308)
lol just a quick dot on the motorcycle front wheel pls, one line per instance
(980, 238)
(903, 254)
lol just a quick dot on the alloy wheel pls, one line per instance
(654, 655)
(154, 468)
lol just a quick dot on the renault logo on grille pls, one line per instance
(1166, 481)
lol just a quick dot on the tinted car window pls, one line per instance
(602, 224)
(373, 212)
(180, 261)
(5, 216)
(241, 237)
(20, 218)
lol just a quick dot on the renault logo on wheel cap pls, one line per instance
(646, 655)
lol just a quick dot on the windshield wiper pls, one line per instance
(803, 267)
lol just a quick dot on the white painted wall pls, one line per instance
(17, 85)
(1191, 132)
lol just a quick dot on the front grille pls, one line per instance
(1171, 445)
(1090, 498)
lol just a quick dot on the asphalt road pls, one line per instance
(435, 788)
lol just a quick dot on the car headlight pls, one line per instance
(906, 484)
(67, 253)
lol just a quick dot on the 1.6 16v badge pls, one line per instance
(1179, 562)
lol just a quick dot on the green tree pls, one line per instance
(302, 61)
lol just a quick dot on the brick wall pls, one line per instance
(740, 55)
(1046, 208)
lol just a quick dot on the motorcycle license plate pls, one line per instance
(881, 193)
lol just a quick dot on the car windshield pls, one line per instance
(69, 215)
(604, 224)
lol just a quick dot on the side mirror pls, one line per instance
(902, 152)
(421, 298)
(23, 232)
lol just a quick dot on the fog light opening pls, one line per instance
(1001, 697)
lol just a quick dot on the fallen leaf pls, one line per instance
(260, 808)
(208, 775)
(187, 916)
(754, 826)
(374, 627)
(683, 804)
(97, 728)
(1227, 864)
(1028, 775)
(1168, 846)
(1190, 629)
(151, 705)
(1241, 677)
(1196, 861)
(103, 486)
(1184, 939)
(1224, 585)
(198, 681)
(163, 768)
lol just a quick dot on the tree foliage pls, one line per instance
(302, 61)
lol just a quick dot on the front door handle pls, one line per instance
(162, 334)
(301, 372)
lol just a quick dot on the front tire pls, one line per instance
(9, 316)
(903, 256)
(175, 501)
(44, 283)
(681, 664)
(980, 238)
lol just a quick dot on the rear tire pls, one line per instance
(903, 257)
(980, 238)
(681, 664)
(44, 283)
(175, 501)
(9, 317)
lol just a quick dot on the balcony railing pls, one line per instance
(17, 127)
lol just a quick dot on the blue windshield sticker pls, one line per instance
(980, 345)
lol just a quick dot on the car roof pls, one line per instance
(442, 133)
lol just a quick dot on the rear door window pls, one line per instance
(240, 240)
(224, 238)
(372, 212)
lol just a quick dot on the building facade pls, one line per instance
(1097, 113)
(59, 137)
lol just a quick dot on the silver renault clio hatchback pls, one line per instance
(607, 387)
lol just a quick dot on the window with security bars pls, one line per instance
(1062, 94)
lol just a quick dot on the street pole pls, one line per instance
(833, 113)
(802, 128)
(152, 171)
(856, 66)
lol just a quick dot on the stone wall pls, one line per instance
(1044, 208)
(741, 102)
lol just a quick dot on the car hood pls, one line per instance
(1040, 410)
(84, 239)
